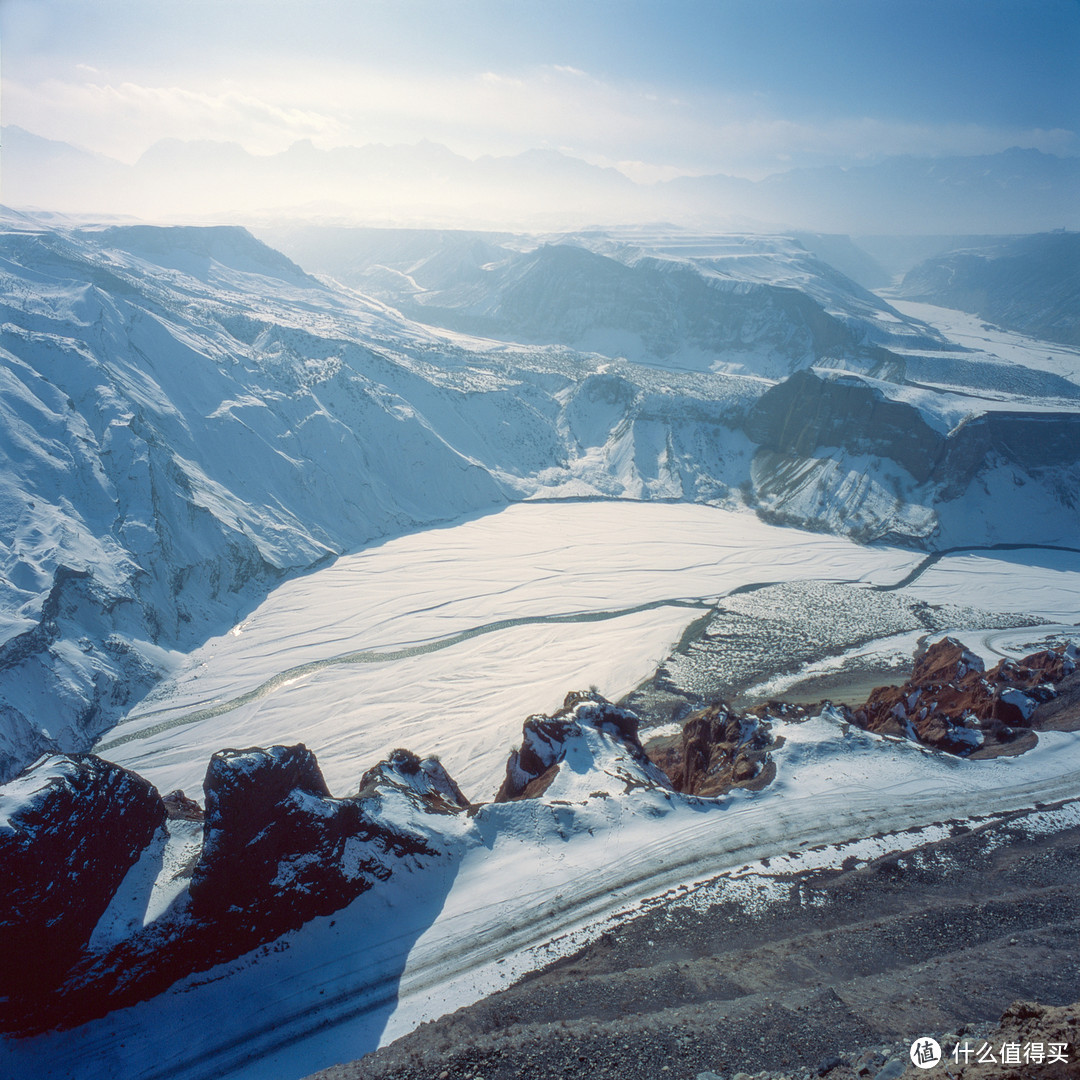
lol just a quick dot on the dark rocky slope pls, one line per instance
(70, 829)
(278, 850)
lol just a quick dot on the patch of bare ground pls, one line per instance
(849, 687)
(822, 973)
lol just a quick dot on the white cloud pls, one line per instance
(643, 130)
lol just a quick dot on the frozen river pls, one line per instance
(444, 641)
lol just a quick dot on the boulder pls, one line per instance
(180, 808)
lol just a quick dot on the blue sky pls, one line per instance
(744, 86)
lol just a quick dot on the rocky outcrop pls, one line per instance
(421, 780)
(1046, 1039)
(717, 750)
(952, 703)
(70, 829)
(179, 807)
(600, 739)
(279, 849)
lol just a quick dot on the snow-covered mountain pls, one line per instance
(188, 417)
(761, 305)
(1025, 283)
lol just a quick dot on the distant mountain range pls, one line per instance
(1016, 191)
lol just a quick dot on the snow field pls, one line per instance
(1038, 582)
(467, 701)
(1007, 345)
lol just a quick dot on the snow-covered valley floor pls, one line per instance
(520, 884)
(995, 342)
(443, 641)
(314, 645)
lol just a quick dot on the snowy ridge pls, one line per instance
(758, 305)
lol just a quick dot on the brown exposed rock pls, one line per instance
(1061, 713)
(179, 807)
(952, 703)
(278, 850)
(1053, 1033)
(718, 749)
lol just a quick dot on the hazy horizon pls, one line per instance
(738, 89)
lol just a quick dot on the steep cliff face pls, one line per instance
(806, 412)
(851, 455)
(70, 829)
(278, 847)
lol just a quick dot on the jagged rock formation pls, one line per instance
(278, 850)
(70, 829)
(279, 847)
(718, 749)
(598, 738)
(426, 780)
(952, 703)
